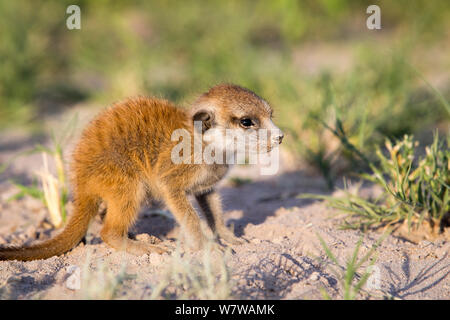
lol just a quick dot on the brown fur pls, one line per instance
(124, 155)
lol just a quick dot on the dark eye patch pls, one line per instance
(247, 122)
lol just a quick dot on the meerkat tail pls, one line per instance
(76, 228)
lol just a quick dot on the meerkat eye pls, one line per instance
(247, 123)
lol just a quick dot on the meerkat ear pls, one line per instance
(206, 117)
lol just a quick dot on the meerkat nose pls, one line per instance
(280, 138)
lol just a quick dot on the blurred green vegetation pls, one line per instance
(314, 60)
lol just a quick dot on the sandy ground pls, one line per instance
(283, 259)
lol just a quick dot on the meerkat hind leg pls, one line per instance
(119, 217)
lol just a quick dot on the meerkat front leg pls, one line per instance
(180, 206)
(211, 206)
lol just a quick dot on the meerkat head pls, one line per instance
(232, 117)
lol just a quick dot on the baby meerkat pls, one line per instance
(126, 153)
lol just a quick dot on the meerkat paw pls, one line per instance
(139, 248)
(214, 246)
(198, 241)
(229, 237)
(167, 245)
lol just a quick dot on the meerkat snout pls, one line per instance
(275, 134)
(277, 137)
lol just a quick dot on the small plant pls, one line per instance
(416, 189)
(189, 279)
(239, 182)
(351, 280)
(102, 283)
(54, 193)
(51, 193)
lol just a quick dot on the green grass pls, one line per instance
(100, 282)
(344, 118)
(349, 274)
(204, 278)
(416, 188)
(239, 182)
